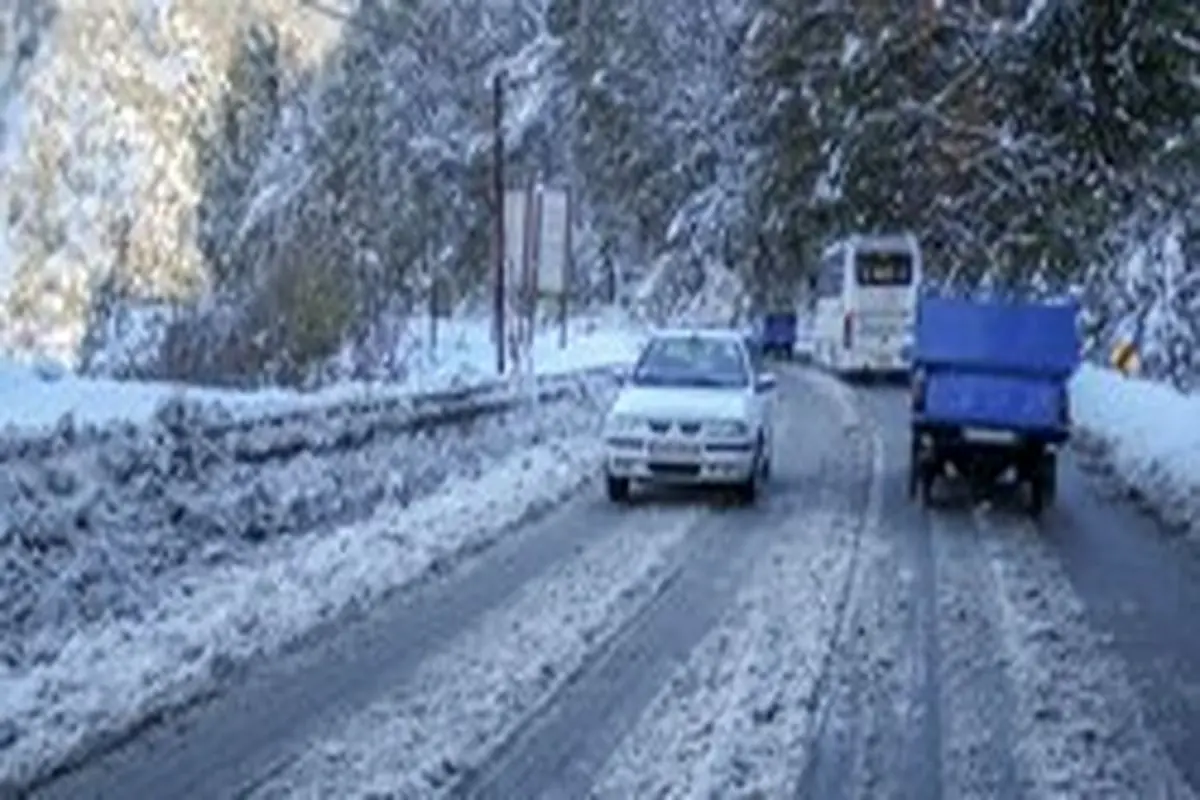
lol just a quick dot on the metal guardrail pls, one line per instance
(313, 427)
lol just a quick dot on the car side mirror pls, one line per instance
(765, 382)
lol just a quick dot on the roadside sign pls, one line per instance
(517, 211)
(1125, 358)
(552, 247)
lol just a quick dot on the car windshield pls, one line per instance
(692, 361)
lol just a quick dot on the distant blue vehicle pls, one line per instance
(777, 334)
(990, 393)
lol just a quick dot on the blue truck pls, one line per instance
(777, 334)
(990, 394)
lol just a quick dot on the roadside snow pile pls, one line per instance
(1147, 435)
(120, 501)
(36, 399)
(463, 350)
(133, 574)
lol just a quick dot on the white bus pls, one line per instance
(866, 300)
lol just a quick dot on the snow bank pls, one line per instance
(464, 356)
(134, 575)
(1147, 435)
(153, 536)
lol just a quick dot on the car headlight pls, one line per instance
(727, 428)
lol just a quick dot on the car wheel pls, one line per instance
(617, 489)
(749, 490)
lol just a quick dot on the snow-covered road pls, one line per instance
(833, 642)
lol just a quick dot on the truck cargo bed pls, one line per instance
(997, 338)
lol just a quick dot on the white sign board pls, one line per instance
(516, 227)
(553, 245)
(519, 243)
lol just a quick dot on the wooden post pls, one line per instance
(498, 297)
(568, 272)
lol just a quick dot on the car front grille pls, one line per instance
(662, 426)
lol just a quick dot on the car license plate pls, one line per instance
(674, 450)
(985, 436)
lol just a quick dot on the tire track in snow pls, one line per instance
(877, 731)
(555, 751)
(560, 752)
(1079, 728)
(449, 716)
(734, 720)
(1010, 707)
(976, 694)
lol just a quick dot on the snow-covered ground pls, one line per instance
(447, 719)
(456, 715)
(1148, 436)
(740, 711)
(463, 355)
(1078, 726)
(126, 597)
(143, 558)
(139, 567)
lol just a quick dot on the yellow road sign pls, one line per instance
(1125, 358)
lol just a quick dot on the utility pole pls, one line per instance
(498, 217)
(612, 274)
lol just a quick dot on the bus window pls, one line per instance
(883, 269)
(832, 276)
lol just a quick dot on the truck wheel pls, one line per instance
(1042, 478)
(922, 472)
(1048, 475)
(617, 489)
(1037, 498)
(928, 479)
(1037, 490)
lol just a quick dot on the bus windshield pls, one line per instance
(883, 268)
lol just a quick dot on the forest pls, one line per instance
(291, 176)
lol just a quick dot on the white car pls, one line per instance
(695, 409)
